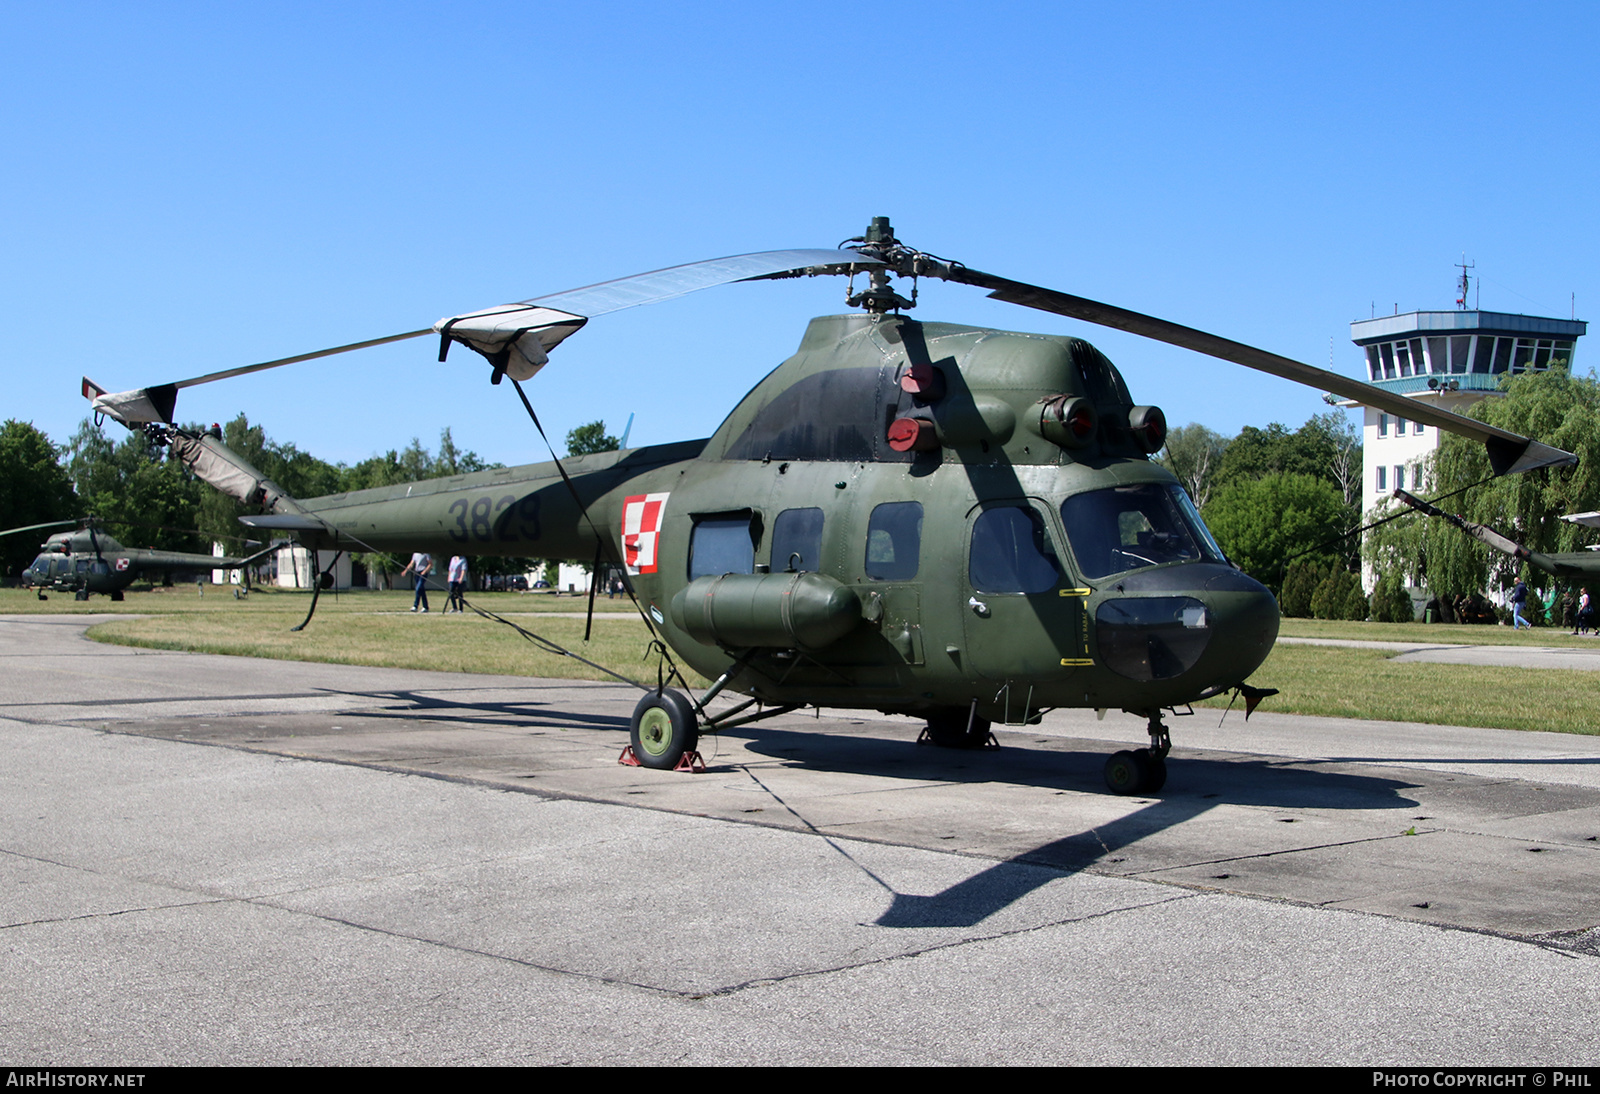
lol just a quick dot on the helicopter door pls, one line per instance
(1023, 619)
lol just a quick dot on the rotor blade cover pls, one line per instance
(518, 337)
(133, 408)
(229, 472)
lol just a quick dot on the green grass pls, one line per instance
(367, 628)
(1434, 634)
(1359, 683)
(145, 600)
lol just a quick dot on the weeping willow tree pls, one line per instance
(1554, 407)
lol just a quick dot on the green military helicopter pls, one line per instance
(954, 523)
(89, 560)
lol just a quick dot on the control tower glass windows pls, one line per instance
(1522, 356)
(1383, 425)
(1483, 356)
(1502, 354)
(1438, 355)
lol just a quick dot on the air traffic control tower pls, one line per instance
(1451, 359)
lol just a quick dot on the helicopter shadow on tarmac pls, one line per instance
(1197, 786)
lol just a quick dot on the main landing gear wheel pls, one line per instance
(663, 729)
(1135, 772)
(948, 729)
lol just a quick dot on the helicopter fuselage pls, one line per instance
(903, 516)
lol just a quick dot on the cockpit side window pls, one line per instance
(1133, 527)
(1011, 553)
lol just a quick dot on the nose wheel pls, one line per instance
(1141, 770)
(1135, 771)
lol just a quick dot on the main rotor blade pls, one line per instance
(517, 338)
(35, 527)
(231, 372)
(1509, 453)
(156, 404)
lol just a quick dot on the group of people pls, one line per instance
(421, 565)
(1577, 612)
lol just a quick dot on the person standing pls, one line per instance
(421, 565)
(458, 581)
(1518, 598)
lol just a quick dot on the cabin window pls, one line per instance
(797, 541)
(722, 545)
(894, 541)
(1011, 553)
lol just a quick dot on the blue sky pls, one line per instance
(189, 187)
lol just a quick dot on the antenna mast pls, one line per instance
(1465, 284)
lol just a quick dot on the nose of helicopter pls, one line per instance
(1200, 623)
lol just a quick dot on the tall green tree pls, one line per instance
(148, 500)
(34, 488)
(591, 438)
(1326, 447)
(1262, 523)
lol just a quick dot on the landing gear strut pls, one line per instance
(1141, 770)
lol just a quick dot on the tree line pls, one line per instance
(151, 501)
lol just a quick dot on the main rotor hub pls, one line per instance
(878, 242)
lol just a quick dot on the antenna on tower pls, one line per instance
(1465, 284)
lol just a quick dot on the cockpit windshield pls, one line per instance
(1132, 527)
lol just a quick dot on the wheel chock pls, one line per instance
(691, 761)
